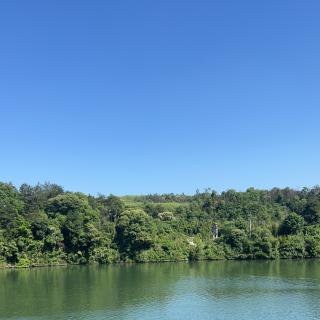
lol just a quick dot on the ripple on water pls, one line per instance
(222, 290)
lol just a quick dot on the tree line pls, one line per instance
(46, 225)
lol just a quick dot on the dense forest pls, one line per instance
(46, 225)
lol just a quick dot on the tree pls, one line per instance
(166, 216)
(10, 204)
(35, 198)
(78, 224)
(66, 204)
(311, 212)
(134, 231)
(42, 224)
(265, 246)
(114, 207)
(312, 238)
(292, 224)
(292, 246)
(234, 237)
(153, 210)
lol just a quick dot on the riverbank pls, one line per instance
(9, 266)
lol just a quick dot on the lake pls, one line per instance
(286, 289)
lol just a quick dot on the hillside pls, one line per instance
(45, 225)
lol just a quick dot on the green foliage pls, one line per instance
(312, 239)
(292, 224)
(311, 212)
(35, 198)
(67, 204)
(166, 216)
(104, 255)
(10, 205)
(114, 207)
(264, 245)
(236, 238)
(214, 251)
(135, 231)
(43, 225)
(196, 249)
(292, 246)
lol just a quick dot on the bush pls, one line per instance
(292, 224)
(104, 256)
(292, 247)
(166, 216)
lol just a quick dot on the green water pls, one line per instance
(204, 290)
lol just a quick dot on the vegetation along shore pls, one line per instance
(45, 225)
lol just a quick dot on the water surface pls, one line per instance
(204, 290)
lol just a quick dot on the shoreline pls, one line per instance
(67, 265)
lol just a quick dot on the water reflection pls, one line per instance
(207, 290)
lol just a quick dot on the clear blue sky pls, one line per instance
(132, 97)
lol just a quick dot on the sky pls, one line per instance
(136, 97)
